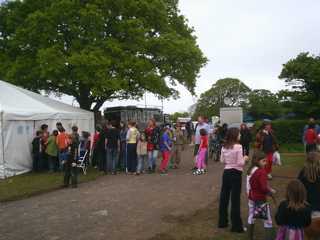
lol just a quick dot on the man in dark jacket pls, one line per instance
(245, 139)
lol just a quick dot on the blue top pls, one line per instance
(165, 139)
(197, 134)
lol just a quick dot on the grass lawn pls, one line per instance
(292, 148)
(202, 224)
(30, 184)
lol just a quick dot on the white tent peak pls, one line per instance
(22, 113)
(13, 98)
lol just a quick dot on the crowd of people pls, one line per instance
(135, 151)
(298, 214)
(59, 151)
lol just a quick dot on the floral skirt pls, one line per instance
(285, 233)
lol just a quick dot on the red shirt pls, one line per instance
(204, 142)
(259, 185)
(96, 137)
(311, 136)
(148, 131)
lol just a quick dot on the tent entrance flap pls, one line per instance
(18, 137)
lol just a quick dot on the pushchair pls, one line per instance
(214, 149)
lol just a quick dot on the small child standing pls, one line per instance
(52, 151)
(70, 166)
(142, 153)
(202, 153)
(37, 152)
(257, 191)
(165, 148)
(293, 214)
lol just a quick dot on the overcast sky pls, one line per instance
(247, 39)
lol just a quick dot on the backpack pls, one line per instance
(155, 136)
(310, 136)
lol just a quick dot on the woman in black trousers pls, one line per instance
(234, 161)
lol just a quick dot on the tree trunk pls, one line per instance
(83, 98)
(85, 103)
(98, 105)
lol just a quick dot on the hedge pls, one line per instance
(287, 131)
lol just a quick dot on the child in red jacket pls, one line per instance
(257, 191)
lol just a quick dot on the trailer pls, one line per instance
(233, 116)
(140, 115)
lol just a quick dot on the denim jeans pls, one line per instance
(112, 159)
(63, 157)
(141, 160)
(152, 158)
(122, 155)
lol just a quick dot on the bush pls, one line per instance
(286, 131)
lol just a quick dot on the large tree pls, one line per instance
(302, 74)
(174, 117)
(264, 104)
(227, 92)
(98, 50)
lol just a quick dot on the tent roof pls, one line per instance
(16, 101)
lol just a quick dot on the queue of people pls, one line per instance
(135, 151)
(60, 151)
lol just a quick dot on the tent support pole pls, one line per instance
(2, 141)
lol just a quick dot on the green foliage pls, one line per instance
(303, 75)
(264, 104)
(98, 50)
(210, 102)
(176, 115)
(287, 131)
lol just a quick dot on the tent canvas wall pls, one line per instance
(22, 112)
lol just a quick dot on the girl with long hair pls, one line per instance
(234, 161)
(310, 178)
(294, 213)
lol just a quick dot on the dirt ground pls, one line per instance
(113, 207)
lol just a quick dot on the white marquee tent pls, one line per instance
(22, 113)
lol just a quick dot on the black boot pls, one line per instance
(250, 231)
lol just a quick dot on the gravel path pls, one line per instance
(113, 207)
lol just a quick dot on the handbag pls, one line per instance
(261, 210)
(276, 159)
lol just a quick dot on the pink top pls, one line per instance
(233, 158)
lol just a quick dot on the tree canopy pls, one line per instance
(302, 74)
(98, 50)
(174, 117)
(227, 92)
(264, 104)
